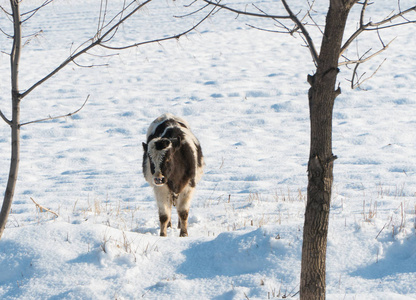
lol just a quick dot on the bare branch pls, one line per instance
(60, 67)
(291, 16)
(192, 13)
(116, 28)
(217, 4)
(376, 25)
(94, 65)
(89, 66)
(313, 20)
(101, 15)
(10, 17)
(391, 25)
(354, 73)
(400, 9)
(58, 117)
(365, 4)
(360, 29)
(31, 37)
(267, 30)
(73, 56)
(379, 37)
(281, 25)
(121, 20)
(356, 83)
(392, 18)
(177, 36)
(101, 38)
(6, 34)
(5, 11)
(305, 33)
(362, 60)
(31, 13)
(5, 119)
(359, 82)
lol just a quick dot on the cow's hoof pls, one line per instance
(183, 233)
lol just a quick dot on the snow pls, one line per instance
(244, 94)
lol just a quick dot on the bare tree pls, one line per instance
(106, 31)
(322, 94)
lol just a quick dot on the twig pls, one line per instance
(267, 30)
(316, 24)
(118, 26)
(58, 117)
(31, 37)
(101, 38)
(97, 42)
(5, 11)
(89, 66)
(101, 14)
(362, 60)
(353, 76)
(291, 16)
(120, 16)
(42, 208)
(192, 13)
(246, 13)
(305, 33)
(365, 4)
(6, 34)
(370, 26)
(177, 36)
(393, 17)
(290, 31)
(32, 12)
(358, 84)
(5, 119)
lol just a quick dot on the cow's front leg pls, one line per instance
(164, 222)
(165, 212)
(165, 208)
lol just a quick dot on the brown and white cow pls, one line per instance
(172, 165)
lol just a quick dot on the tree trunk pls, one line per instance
(322, 95)
(15, 123)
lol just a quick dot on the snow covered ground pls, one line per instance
(244, 92)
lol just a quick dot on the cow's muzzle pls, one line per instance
(159, 180)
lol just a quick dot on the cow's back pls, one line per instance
(157, 127)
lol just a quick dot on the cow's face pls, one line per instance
(160, 153)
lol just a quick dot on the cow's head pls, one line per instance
(160, 153)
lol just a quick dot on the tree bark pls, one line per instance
(15, 122)
(322, 94)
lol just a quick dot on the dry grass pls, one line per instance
(371, 213)
(289, 196)
(127, 244)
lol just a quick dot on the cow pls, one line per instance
(173, 165)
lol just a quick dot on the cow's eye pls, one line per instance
(152, 166)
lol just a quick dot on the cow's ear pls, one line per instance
(144, 147)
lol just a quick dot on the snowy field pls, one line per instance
(244, 93)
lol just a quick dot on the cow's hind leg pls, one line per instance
(183, 215)
(184, 202)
